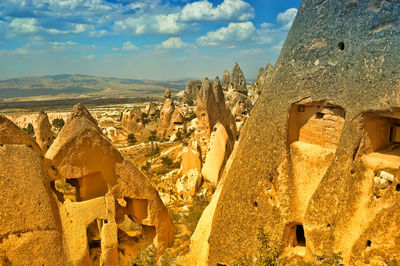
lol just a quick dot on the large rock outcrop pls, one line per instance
(225, 80)
(85, 158)
(336, 82)
(176, 124)
(29, 219)
(166, 113)
(44, 135)
(211, 109)
(192, 91)
(237, 80)
(132, 120)
(217, 154)
(10, 133)
(263, 75)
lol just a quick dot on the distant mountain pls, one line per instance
(65, 85)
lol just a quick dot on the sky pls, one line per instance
(144, 39)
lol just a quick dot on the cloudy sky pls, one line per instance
(152, 39)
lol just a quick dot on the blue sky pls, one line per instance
(149, 39)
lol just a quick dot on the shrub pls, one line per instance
(179, 136)
(132, 139)
(269, 253)
(167, 162)
(189, 117)
(333, 259)
(145, 118)
(29, 130)
(146, 167)
(189, 132)
(195, 212)
(147, 257)
(153, 151)
(58, 123)
(153, 138)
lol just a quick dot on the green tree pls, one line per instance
(58, 123)
(29, 129)
(132, 139)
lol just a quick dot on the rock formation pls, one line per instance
(192, 91)
(166, 113)
(12, 134)
(210, 109)
(263, 75)
(39, 215)
(191, 158)
(318, 140)
(188, 184)
(225, 80)
(29, 219)
(82, 155)
(239, 106)
(44, 135)
(151, 110)
(217, 154)
(237, 81)
(176, 124)
(132, 120)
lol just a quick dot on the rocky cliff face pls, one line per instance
(225, 80)
(237, 80)
(317, 165)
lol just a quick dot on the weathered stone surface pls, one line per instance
(166, 113)
(217, 154)
(75, 225)
(132, 120)
(82, 152)
(29, 219)
(237, 80)
(43, 133)
(176, 124)
(151, 110)
(188, 184)
(199, 244)
(191, 158)
(132, 184)
(80, 110)
(263, 75)
(225, 80)
(167, 94)
(192, 90)
(12, 134)
(332, 58)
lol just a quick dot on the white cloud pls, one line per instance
(89, 57)
(173, 43)
(24, 25)
(228, 10)
(286, 18)
(79, 28)
(128, 46)
(19, 51)
(62, 46)
(158, 24)
(98, 33)
(115, 49)
(234, 34)
(175, 22)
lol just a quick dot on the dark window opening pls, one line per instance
(398, 187)
(368, 244)
(300, 237)
(255, 204)
(319, 115)
(301, 109)
(341, 46)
